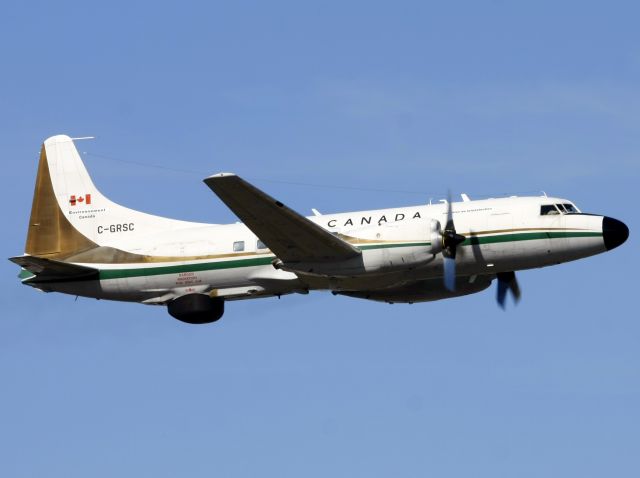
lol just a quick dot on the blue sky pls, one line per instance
(337, 106)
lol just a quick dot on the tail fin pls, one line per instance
(70, 216)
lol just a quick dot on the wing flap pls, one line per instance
(291, 236)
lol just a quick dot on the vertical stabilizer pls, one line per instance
(70, 216)
(50, 233)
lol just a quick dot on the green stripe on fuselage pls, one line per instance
(263, 261)
(528, 236)
(366, 247)
(176, 269)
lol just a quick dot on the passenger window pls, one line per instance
(238, 246)
(548, 210)
(260, 245)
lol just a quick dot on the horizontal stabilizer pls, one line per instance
(48, 270)
(291, 236)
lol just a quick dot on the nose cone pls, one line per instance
(614, 232)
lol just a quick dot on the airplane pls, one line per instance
(81, 243)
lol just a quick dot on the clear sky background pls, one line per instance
(339, 106)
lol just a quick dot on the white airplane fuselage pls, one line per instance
(397, 253)
(504, 234)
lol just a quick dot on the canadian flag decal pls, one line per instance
(75, 200)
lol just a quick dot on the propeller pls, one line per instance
(507, 282)
(450, 241)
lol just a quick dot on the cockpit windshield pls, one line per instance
(549, 210)
(556, 209)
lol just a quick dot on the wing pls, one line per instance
(291, 236)
(48, 270)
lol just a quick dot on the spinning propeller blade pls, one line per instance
(449, 273)
(450, 242)
(507, 282)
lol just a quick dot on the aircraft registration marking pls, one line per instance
(123, 227)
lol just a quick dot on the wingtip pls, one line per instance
(220, 175)
(215, 177)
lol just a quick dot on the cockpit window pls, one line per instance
(548, 210)
(554, 209)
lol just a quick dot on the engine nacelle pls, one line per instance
(196, 308)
